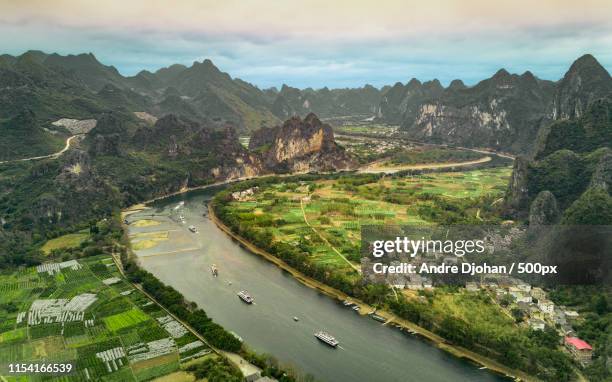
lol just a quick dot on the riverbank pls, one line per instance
(438, 341)
(247, 369)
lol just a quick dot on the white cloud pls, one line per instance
(317, 44)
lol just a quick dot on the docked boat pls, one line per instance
(378, 318)
(347, 303)
(193, 229)
(356, 308)
(236, 336)
(214, 270)
(326, 338)
(245, 296)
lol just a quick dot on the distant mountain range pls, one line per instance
(504, 112)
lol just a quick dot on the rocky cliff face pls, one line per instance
(181, 139)
(573, 157)
(300, 145)
(504, 112)
(401, 103)
(585, 82)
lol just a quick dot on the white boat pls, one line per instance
(326, 338)
(193, 229)
(246, 297)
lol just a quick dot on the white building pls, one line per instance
(546, 306)
(519, 295)
(571, 314)
(536, 324)
(538, 294)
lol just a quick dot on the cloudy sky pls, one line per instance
(319, 42)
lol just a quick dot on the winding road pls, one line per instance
(52, 156)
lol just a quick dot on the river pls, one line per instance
(368, 350)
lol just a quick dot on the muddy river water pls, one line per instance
(368, 350)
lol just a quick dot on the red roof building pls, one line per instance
(580, 349)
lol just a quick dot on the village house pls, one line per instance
(538, 293)
(519, 295)
(559, 317)
(546, 306)
(415, 282)
(536, 324)
(246, 195)
(450, 260)
(523, 287)
(571, 314)
(579, 349)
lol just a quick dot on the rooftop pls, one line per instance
(578, 343)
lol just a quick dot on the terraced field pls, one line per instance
(84, 312)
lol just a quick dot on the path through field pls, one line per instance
(325, 240)
(53, 156)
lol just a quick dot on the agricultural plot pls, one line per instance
(325, 217)
(67, 312)
(71, 240)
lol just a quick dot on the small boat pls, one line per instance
(347, 303)
(295, 319)
(356, 308)
(378, 318)
(236, 336)
(326, 338)
(214, 270)
(246, 297)
(193, 229)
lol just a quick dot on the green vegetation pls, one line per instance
(369, 129)
(118, 317)
(125, 319)
(215, 370)
(21, 137)
(71, 240)
(433, 155)
(311, 240)
(336, 209)
(595, 307)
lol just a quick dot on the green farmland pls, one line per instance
(324, 217)
(84, 312)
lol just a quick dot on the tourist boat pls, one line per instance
(214, 270)
(193, 229)
(245, 296)
(326, 338)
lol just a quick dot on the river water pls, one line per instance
(368, 351)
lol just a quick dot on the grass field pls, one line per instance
(126, 319)
(119, 317)
(325, 217)
(71, 240)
